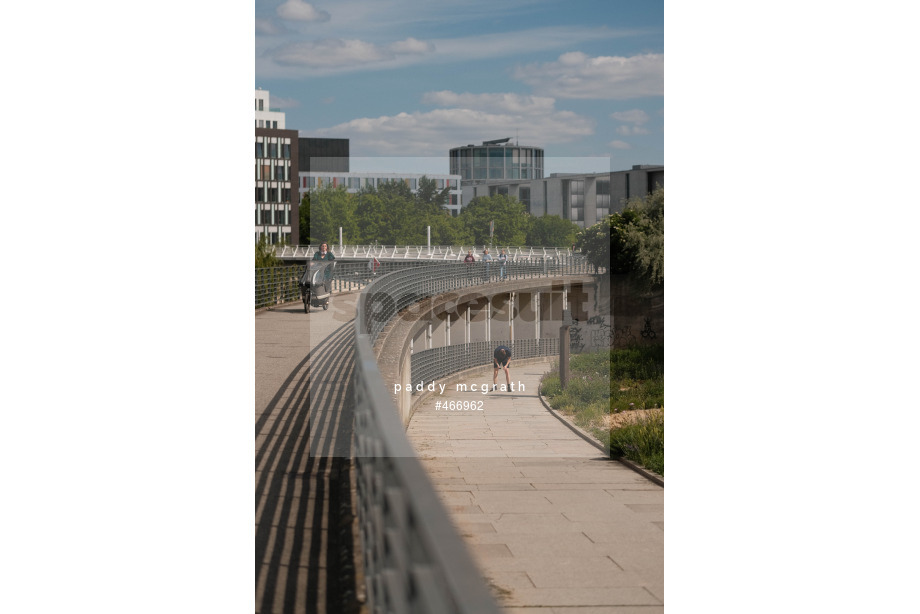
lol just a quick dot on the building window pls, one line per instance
(273, 150)
(286, 151)
(496, 159)
(524, 196)
(261, 102)
(260, 149)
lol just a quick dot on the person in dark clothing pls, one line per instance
(501, 359)
(323, 253)
(469, 260)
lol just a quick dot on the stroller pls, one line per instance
(316, 285)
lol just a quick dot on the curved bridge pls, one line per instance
(418, 252)
(335, 501)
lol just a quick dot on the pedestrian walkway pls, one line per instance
(304, 411)
(554, 525)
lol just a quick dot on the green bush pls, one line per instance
(620, 380)
(641, 441)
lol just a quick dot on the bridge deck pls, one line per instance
(549, 519)
(304, 413)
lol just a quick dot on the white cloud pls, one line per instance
(267, 26)
(297, 10)
(620, 145)
(295, 60)
(630, 130)
(512, 103)
(425, 133)
(633, 116)
(576, 75)
(411, 46)
(284, 103)
(329, 53)
(334, 52)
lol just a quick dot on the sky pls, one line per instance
(406, 80)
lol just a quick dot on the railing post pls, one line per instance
(564, 347)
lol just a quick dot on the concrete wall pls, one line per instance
(608, 312)
(637, 313)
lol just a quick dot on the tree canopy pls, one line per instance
(390, 214)
(265, 254)
(552, 231)
(630, 242)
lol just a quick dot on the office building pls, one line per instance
(495, 160)
(266, 117)
(582, 198)
(323, 155)
(276, 154)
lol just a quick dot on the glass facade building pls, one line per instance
(498, 159)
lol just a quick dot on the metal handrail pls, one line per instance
(421, 252)
(392, 293)
(414, 559)
(436, 363)
(278, 285)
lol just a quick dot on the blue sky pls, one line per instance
(406, 80)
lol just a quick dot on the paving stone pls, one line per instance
(547, 507)
(615, 596)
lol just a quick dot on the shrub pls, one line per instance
(641, 441)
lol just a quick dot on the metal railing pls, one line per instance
(397, 291)
(434, 364)
(421, 252)
(277, 285)
(414, 559)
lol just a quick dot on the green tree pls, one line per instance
(645, 238)
(622, 253)
(512, 222)
(552, 231)
(305, 238)
(429, 194)
(594, 243)
(331, 209)
(265, 254)
(630, 242)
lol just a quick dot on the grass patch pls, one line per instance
(604, 384)
(641, 441)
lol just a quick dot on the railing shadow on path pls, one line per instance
(304, 549)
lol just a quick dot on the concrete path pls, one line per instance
(304, 412)
(554, 525)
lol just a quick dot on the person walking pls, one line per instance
(469, 260)
(501, 359)
(502, 259)
(487, 258)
